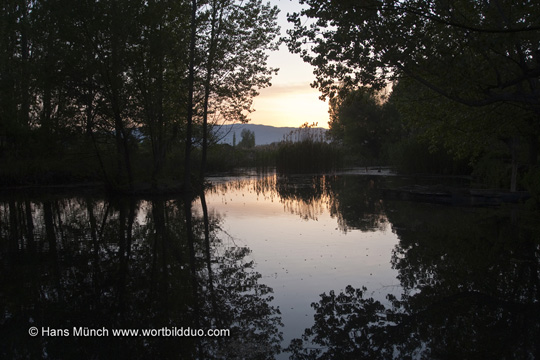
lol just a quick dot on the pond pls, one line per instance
(306, 266)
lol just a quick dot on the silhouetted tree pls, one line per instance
(236, 36)
(366, 124)
(490, 54)
(248, 139)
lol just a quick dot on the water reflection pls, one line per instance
(128, 264)
(471, 289)
(349, 199)
(426, 281)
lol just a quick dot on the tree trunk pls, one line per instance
(191, 82)
(29, 226)
(513, 179)
(533, 149)
(122, 147)
(13, 227)
(25, 73)
(216, 25)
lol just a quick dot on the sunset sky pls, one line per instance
(290, 101)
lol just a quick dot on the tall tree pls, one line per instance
(365, 123)
(127, 76)
(190, 102)
(159, 71)
(248, 139)
(236, 38)
(94, 41)
(496, 134)
(476, 53)
(488, 48)
(15, 82)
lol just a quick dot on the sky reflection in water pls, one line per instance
(301, 244)
(366, 277)
(426, 280)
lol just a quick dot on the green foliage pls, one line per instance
(487, 52)
(489, 138)
(116, 73)
(464, 94)
(464, 131)
(414, 156)
(365, 124)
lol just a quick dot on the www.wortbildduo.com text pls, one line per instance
(103, 332)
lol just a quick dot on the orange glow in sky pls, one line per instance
(290, 101)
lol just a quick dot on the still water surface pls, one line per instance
(314, 267)
(301, 243)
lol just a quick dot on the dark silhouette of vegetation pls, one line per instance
(413, 155)
(307, 157)
(372, 131)
(238, 33)
(247, 140)
(489, 53)
(486, 97)
(366, 125)
(304, 151)
(122, 92)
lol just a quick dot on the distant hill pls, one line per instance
(264, 134)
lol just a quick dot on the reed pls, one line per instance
(308, 156)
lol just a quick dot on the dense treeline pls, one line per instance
(120, 91)
(416, 131)
(465, 77)
(372, 127)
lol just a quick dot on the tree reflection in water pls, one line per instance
(128, 264)
(470, 277)
(351, 200)
(471, 289)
